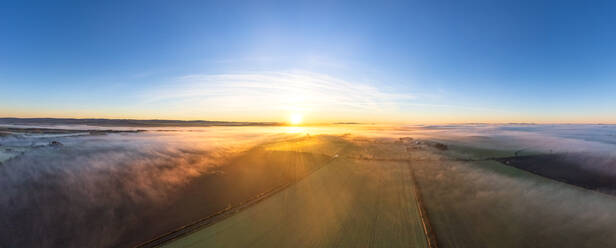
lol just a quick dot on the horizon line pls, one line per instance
(279, 123)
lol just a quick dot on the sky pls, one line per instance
(331, 61)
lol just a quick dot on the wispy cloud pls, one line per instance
(277, 91)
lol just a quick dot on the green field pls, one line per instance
(365, 198)
(487, 204)
(347, 203)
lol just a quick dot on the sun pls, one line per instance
(295, 119)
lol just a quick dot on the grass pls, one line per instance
(487, 204)
(348, 203)
(365, 198)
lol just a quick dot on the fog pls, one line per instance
(97, 190)
(488, 204)
(560, 138)
(92, 189)
(485, 204)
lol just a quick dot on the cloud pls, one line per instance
(276, 91)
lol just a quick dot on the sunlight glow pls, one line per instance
(279, 95)
(295, 119)
(295, 130)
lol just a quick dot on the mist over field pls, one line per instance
(544, 136)
(427, 124)
(92, 189)
(590, 146)
(120, 189)
(485, 203)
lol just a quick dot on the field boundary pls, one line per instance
(220, 215)
(423, 213)
(429, 233)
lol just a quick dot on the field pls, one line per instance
(347, 203)
(127, 188)
(279, 187)
(364, 198)
(567, 168)
(488, 204)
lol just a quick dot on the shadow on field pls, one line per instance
(576, 169)
(49, 212)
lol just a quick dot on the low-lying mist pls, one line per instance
(544, 138)
(486, 203)
(589, 147)
(90, 190)
(120, 189)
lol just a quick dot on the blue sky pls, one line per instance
(412, 61)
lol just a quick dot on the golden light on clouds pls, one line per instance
(273, 96)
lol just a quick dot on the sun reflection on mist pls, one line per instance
(295, 130)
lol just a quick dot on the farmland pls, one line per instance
(264, 187)
(365, 198)
(347, 203)
(488, 204)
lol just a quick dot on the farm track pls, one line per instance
(425, 220)
(429, 232)
(364, 198)
(381, 218)
(348, 203)
(219, 216)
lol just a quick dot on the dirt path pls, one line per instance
(349, 203)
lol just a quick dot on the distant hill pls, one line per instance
(128, 122)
